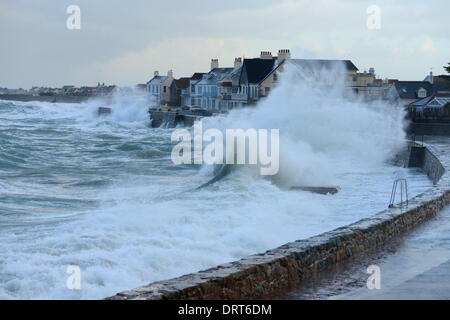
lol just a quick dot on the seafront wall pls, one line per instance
(171, 119)
(266, 273)
(431, 129)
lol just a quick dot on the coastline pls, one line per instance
(52, 99)
(265, 274)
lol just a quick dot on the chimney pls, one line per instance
(155, 73)
(170, 74)
(284, 54)
(237, 63)
(431, 77)
(372, 71)
(214, 63)
(266, 55)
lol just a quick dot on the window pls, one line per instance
(422, 93)
(275, 77)
(164, 89)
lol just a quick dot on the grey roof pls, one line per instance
(409, 89)
(257, 69)
(324, 64)
(221, 70)
(182, 83)
(157, 79)
(197, 76)
(215, 75)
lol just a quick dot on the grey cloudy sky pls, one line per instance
(123, 42)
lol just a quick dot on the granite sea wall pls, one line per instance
(262, 274)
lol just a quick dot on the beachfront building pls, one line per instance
(407, 92)
(193, 97)
(179, 95)
(253, 81)
(228, 86)
(154, 87)
(259, 76)
(435, 108)
(165, 92)
(205, 91)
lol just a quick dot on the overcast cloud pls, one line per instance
(123, 42)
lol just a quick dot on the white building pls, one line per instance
(154, 87)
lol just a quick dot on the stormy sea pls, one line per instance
(101, 192)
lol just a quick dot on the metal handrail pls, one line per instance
(394, 191)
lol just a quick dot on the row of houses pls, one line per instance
(427, 100)
(69, 90)
(100, 90)
(249, 80)
(12, 91)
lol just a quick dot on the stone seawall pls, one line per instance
(263, 274)
(171, 119)
(429, 129)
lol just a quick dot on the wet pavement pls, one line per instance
(415, 265)
(419, 268)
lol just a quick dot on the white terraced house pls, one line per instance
(154, 87)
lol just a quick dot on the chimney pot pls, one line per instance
(214, 63)
(266, 55)
(284, 54)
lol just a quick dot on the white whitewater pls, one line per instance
(102, 193)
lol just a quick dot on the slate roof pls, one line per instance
(182, 83)
(324, 64)
(221, 72)
(215, 75)
(257, 69)
(197, 76)
(157, 79)
(408, 89)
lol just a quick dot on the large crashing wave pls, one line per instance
(128, 105)
(323, 126)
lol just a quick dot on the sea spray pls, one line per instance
(104, 195)
(323, 127)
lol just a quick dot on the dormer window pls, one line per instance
(422, 93)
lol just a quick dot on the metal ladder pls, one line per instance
(394, 191)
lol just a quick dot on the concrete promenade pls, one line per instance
(415, 265)
(419, 268)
